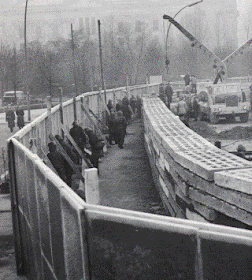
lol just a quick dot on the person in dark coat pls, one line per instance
(139, 107)
(57, 160)
(110, 105)
(111, 127)
(126, 109)
(133, 103)
(96, 145)
(241, 150)
(168, 93)
(74, 157)
(196, 108)
(121, 125)
(20, 117)
(118, 106)
(10, 118)
(79, 137)
(187, 80)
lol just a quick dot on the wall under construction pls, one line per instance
(60, 236)
(196, 179)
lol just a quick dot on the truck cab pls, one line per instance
(223, 101)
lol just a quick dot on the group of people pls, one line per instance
(190, 83)
(86, 139)
(119, 117)
(187, 106)
(89, 142)
(11, 117)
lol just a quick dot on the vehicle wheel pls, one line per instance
(244, 117)
(213, 119)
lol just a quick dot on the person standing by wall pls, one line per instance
(187, 80)
(133, 104)
(196, 108)
(193, 84)
(10, 118)
(161, 92)
(20, 117)
(126, 109)
(182, 108)
(96, 145)
(57, 160)
(168, 93)
(121, 125)
(111, 127)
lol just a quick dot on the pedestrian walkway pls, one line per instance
(125, 179)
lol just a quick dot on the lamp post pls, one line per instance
(167, 62)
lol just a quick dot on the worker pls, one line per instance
(120, 127)
(168, 93)
(10, 118)
(20, 117)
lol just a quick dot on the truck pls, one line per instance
(13, 98)
(219, 100)
(227, 100)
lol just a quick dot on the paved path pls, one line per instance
(125, 175)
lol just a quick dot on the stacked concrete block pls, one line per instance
(198, 180)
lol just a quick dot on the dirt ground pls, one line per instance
(207, 131)
(229, 134)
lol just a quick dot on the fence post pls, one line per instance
(92, 186)
(49, 114)
(61, 108)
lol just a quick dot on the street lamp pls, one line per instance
(167, 34)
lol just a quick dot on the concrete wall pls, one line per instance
(196, 179)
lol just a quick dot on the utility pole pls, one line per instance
(15, 74)
(100, 49)
(26, 63)
(74, 73)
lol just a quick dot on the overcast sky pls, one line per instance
(242, 6)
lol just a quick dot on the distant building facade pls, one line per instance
(53, 21)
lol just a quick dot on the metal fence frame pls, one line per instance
(56, 232)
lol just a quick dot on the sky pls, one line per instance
(241, 4)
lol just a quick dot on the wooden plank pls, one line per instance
(182, 177)
(47, 161)
(80, 152)
(221, 206)
(65, 155)
(96, 126)
(206, 212)
(93, 114)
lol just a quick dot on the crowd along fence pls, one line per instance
(60, 236)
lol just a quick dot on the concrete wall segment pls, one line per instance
(239, 180)
(193, 162)
(205, 162)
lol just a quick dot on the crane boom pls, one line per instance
(218, 64)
